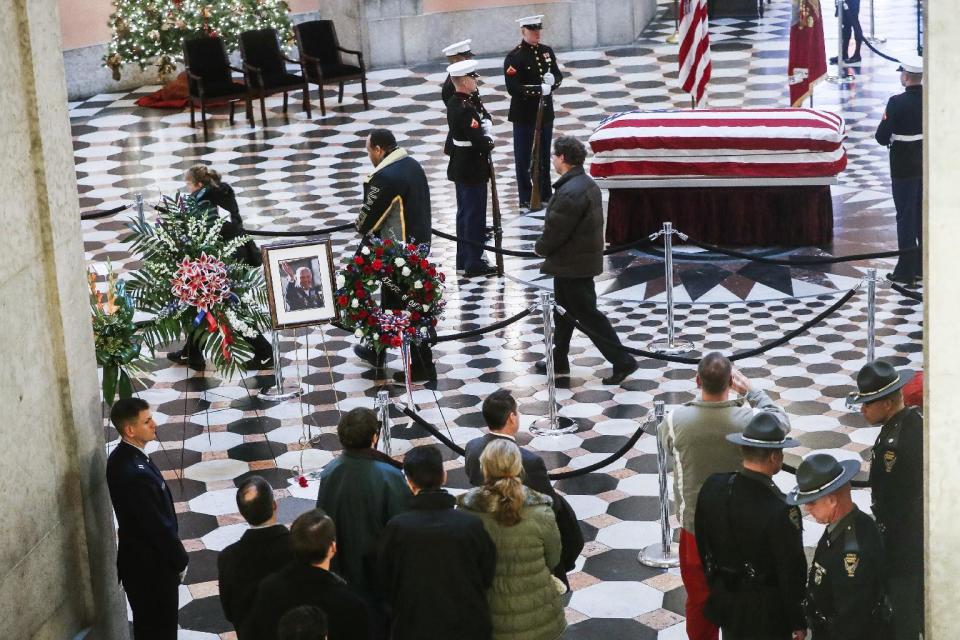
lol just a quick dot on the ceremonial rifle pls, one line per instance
(535, 167)
(497, 229)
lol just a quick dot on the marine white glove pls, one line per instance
(545, 89)
(183, 575)
(549, 79)
(487, 127)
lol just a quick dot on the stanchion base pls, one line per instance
(875, 39)
(670, 348)
(673, 38)
(290, 390)
(653, 556)
(838, 79)
(542, 427)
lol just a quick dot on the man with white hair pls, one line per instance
(301, 292)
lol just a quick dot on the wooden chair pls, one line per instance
(322, 61)
(210, 80)
(265, 69)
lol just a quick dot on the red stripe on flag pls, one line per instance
(740, 144)
(640, 168)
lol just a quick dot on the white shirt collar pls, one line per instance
(505, 436)
(265, 526)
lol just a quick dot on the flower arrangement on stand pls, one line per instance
(116, 341)
(193, 284)
(406, 271)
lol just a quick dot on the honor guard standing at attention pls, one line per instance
(845, 585)
(896, 487)
(901, 129)
(469, 169)
(751, 542)
(531, 71)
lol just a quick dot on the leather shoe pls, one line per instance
(370, 355)
(620, 374)
(484, 270)
(417, 374)
(907, 280)
(561, 368)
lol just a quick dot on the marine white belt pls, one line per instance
(461, 143)
(896, 137)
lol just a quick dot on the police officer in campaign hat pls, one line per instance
(901, 129)
(469, 168)
(845, 585)
(750, 541)
(531, 71)
(896, 484)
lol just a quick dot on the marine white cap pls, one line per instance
(462, 68)
(911, 64)
(457, 47)
(531, 21)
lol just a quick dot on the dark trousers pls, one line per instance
(908, 199)
(261, 347)
(154, 601)
(523, 152)
(471, 224)
(906, 599)
(579, 298)
(421, 355)
(851, 23)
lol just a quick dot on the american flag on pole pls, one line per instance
(694, 48)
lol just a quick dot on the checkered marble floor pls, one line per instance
(303, 174)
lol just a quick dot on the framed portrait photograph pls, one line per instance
(300, 283)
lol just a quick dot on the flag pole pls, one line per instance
(675, 37)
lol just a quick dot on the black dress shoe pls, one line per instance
(194, 360)
(485, 270)
(417, 374)
(854, 59)
(621, 373)
(370, 355)
(907, 280)
(561, 368)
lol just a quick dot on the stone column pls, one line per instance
(941, 212)
(57, 548)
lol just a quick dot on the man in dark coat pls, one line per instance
(901, 129)
(469, 168)
(845, 587)
(151, 560)
(262, 550)
(896, 484)
(307, 580)
(530, 72)
(437, 562)
(572, 245)
(751, 542)
(396, 205)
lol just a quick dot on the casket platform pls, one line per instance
(756, 177)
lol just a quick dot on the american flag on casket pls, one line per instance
(719, 143)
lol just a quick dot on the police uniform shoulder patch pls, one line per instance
(850, 563)
(474, 124)
(511, 71)
(889, 459)
(795, 517)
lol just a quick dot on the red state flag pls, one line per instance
(808, 57)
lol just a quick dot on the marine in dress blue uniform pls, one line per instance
(530, 70)
(455, 53)
(901, 129)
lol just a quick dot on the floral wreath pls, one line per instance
(405, 270)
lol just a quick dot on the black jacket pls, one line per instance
(223, 197)
(469, 147)
(446, 92)
(751, 545)
(299, 584)
(437, 563)
(147, 537)
(523, 71)
(846, 581)
(246, 562)
(396, 200)
(904, 117)
(572, 239)
(896, 488)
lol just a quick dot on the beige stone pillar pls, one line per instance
(57, 549)
(941, 212)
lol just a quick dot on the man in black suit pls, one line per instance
(307, 580)
(301, 293)
(437, 562)
(263, 549)
(151, 560)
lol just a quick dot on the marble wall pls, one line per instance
(57, 549)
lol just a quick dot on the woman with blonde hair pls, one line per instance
(525, 598)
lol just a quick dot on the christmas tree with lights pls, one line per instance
(149, 32)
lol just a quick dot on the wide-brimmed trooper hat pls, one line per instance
(911, 64)
(458, 48)
(531, 22)
(876, 380)
(463, 68)
(764, 431)
(820, 475)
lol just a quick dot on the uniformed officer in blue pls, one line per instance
(845, 585)
(901, 129)
(151, 560)
(455, 53)
(751, 542)
(469, 168)
(530, 71)
(896, 488)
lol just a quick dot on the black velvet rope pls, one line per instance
(866, 41)
(740, 355)
(642, 242)
(564, 475)
(294, 234)
(794, 262)
(857, 484)
(96, 215)
(482, 330)
(906, 293)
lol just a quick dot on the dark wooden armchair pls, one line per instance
(210, 80)
(321, 58)
(265, 69)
